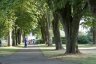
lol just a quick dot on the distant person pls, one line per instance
(33, 41)
(25, 42)
(30, 41)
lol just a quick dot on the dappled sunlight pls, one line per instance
(35, 31)
(46, 48)
(86, 51)
(70, 56)
(88, 48)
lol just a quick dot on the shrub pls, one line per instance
(83, 39)
(62, 39)
(40, 41)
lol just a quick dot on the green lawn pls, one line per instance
(89, 60)
(80, 45)
(85, 58)
(7, 51)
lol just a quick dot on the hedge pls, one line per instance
(81, 40)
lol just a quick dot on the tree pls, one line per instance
(56, 31)
(8, 18)
(94, 31)
(55, 23)
(41, 12)
(71, 12)
(90, 22)
(44, 25)
(92, 4)
(26, 20)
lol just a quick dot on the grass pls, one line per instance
(89, 60)
(5, 51)
(80, 45)
(85, 58)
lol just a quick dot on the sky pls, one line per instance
(82, 29)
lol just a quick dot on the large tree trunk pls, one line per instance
(10, 37)
(13, 38)
(94, 32)
(45, 30)
(42, 27)
(21, 37)
(48, 17)
(47, 36)
(56, 31)
(71, 33)
(92, 4)
(43, 35)
(16, 36)
(19, 33)
(71, 26)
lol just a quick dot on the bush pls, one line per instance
(90, 38)
(40, 41)
(83, 39)
(62, 39)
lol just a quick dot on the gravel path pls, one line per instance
(30, 55)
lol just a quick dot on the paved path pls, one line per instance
(30, 55)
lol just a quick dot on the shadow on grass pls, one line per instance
(48, 49)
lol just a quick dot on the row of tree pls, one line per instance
(20, 17)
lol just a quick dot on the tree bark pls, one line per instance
(19, 36)
(48, 17)
(13, 38)
(71, 26)
(92, 4)
(56, 31)
(16, 36)
(10, 37)
(47, 36)
(43, 35)
(94, 32)
(45, 30)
